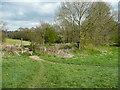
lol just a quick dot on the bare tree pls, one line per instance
(73, 13)
(3, 28)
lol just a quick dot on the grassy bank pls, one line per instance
(98, 56)
(9, 41)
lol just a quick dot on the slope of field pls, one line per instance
(15, 41)
(94, 67)
(99, 71)
(98, 56)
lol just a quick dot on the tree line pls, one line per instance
(86, 22)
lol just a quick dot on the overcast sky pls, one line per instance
(28, 14)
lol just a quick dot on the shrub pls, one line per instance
(26, 46)
(36, 53)
(66, 47)
(62, 58)
(54, 55)
(75, 45)
(49, 55)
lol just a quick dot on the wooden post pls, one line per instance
(21, 45)
(79, 46)
(78, 43)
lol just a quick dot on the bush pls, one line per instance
(75, 45)
(49, 55)
(54, 55)
(26, 54)
(26, 46)
(62, 58)
(36, 53)
(66, 47)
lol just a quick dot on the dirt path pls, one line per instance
(39, 59)
(36, 58)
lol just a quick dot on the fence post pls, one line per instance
(21, 45)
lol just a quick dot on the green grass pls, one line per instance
(97, 69)
(80, 76)
(101, 56)
(15, 41)
(22, 72)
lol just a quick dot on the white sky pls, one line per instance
(28, 13)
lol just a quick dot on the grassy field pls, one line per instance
(98, 68)
(98, 56)
(23, 72)
(15, 41)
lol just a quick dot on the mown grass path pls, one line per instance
(38, 81)
(26, 72)
(94, 67)
(56, 74)
(39, 59)
(95, 70)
